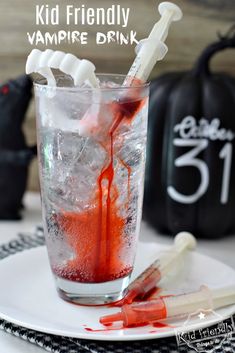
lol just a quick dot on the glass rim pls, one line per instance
(42, 82)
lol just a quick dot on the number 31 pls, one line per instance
(189, 159)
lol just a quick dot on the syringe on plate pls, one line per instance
(172, 306)
(148, 279)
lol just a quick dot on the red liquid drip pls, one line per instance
(109, 328)
(160, 324)
(96, 235)
(104, 329)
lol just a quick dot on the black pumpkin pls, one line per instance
(15, 156)
(190, 169)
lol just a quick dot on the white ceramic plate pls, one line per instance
(28, 297)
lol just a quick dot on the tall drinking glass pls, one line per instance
(91, 148)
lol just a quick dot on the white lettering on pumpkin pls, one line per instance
(189, 159)
(196, 133)
(190, 128)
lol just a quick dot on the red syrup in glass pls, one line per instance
(96, 234)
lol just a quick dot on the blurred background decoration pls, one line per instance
(202, 19)
(15, 155)
(190, 169)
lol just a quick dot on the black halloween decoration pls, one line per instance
(14, 154)
(190, 172)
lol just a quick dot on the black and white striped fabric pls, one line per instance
(58, 344)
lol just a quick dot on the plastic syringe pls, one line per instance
(148, 279)
(172, 306)
(152, 49)
(149, 51)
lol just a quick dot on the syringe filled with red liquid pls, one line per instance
(172, 306)
(149, 51)
(148, 279)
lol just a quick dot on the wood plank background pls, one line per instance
(202, 20)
